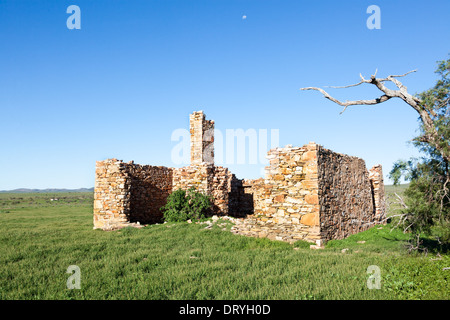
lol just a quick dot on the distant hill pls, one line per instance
(24, 190)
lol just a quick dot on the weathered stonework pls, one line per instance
(111, 195)
(209, 179)
(377, 183)
(149, 188)
(345, 195)
(308, 193)
(129, 193)
(202, 138)
(286, 203)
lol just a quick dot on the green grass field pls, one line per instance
(41, 238)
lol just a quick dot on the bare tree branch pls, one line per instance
(345, 104)
(340, 87)
(388, 93)
(402, 216)
(432, 137)
(402, 75)
(401, 201)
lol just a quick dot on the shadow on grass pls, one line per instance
(432, 246)
(393, 238)
(426, 244)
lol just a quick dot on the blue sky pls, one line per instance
(133, 73)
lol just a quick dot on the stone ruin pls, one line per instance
(308, 193)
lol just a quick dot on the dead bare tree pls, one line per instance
(426, 113)
(401, 216)
(432, 107)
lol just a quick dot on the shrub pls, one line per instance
(183, 205)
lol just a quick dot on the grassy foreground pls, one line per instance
(41, 238)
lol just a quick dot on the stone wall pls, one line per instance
(377, 183)
(127, 193)
(208, 179)
(314, 194)
(220, 179)
(247, 197)
(292, 185)
(195, 176)
(111, 195)
(150, 187)
(345, 195)
(286, 203)
(308, 193)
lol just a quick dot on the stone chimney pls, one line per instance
(202, 138)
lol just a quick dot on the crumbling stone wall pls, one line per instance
(308, 192)
(208, 179)
(245, 197)
(292, 185)
(195, 176)
(314, 194)
(286, 203)
(111, 195)
(126, 192)
(202, 138)
(150, 187)
(220, 188)
(345, 195)
(377, 184)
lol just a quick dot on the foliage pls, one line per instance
(184, 205)
(437, 101)
(176, 208)
(427, 202)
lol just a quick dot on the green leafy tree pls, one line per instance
(427, 202)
